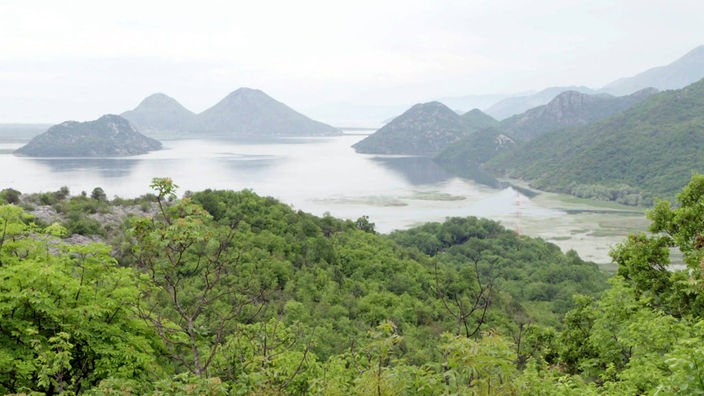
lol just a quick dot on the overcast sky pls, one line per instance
(77, 60)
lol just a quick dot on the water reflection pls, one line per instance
(415, 170)
(317, 175)
(473, 172)
(105, 167)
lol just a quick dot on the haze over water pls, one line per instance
(316, 175)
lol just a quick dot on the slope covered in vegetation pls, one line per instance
(225, 292)
(650, 150)
(233, 286)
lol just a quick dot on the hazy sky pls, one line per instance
(78, 60)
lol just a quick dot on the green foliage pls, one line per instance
(484, 366)
(642, 336)
(98, 194)
(226, 292)
(536, 274)
(192, 289)
(66, 324)
(10, 196)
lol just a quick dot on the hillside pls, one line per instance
(257, 281)
(518, 104)
(251, 112)
(684, 71)
(231, 293)
(160, 113)
(568, 109)
(650, 150)
(424, 129)
(108, 136)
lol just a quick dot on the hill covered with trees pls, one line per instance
(650, 150)
(569, 109)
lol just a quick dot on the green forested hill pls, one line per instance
(650, 150)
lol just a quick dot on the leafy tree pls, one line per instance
(10, 195)
(192, 292)
(98, 194)
(66, 319)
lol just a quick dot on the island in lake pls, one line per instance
(108, 136)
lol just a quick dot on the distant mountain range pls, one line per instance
(244, 112)
(108, 136)
(678, 74)
(629, 149)
(428, 129)
(424, 129)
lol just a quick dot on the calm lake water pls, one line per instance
(317, 175)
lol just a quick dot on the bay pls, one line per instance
(325, 176)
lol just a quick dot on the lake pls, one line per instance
(325, 175)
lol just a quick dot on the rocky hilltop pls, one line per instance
(569, 109)
(424, 129)
(108, 136)
(518, 104)
(160, 113)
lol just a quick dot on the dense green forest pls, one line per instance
(222, 292)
